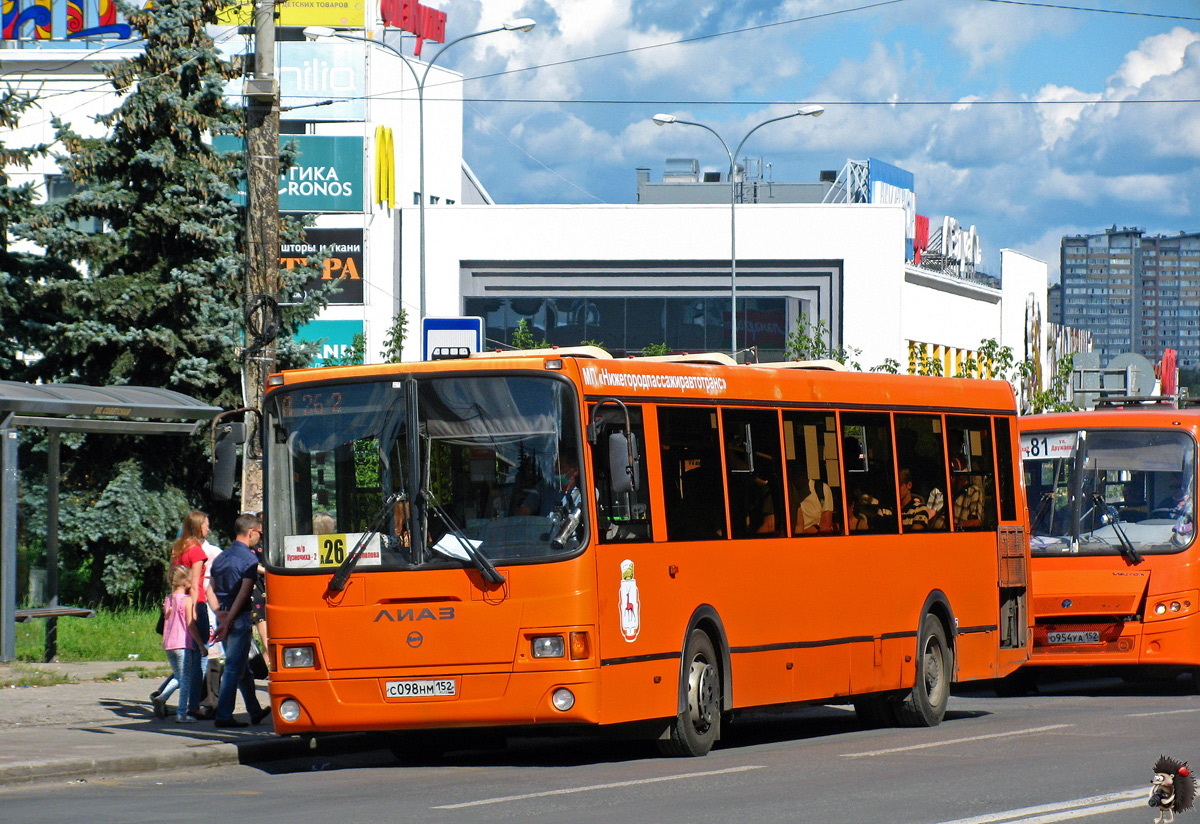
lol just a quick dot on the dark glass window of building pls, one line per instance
(626, 325)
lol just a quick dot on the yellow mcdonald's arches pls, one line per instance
(385, 168)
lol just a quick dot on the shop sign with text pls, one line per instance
(339, 255)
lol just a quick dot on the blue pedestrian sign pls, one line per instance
(450, 336)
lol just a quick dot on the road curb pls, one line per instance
(193, 755)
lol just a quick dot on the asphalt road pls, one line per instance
(1077, 751)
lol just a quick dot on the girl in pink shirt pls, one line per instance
(179, 634)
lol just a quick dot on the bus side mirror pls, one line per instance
(226, 438)
(624, 464)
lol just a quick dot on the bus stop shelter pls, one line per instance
(58, 408)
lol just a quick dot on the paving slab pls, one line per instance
(103, 722)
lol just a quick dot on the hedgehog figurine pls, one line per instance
(1172, 790)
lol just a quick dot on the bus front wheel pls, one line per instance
(925, 705)
(694, 731)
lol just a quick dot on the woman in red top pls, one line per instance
(187, 551)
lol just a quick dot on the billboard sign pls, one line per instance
(891, 184)
(347, 14)
(335, 338)
(326, 177)
(315, 72)
(62, 20)
(339, 253)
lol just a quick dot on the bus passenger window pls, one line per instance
(691, 468)
(972, 473)
(623, 517)
(870, 492)
(814, 480)
(921, 449)
(753, 472)
(1005, 473)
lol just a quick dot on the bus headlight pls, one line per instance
(289, 710)
(547, 646)
(563, 699)
(294, 657)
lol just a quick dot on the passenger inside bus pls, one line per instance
(812, 502)
(913, 514)
(751, 507)
(968, 498)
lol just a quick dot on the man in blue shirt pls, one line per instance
(233, 574)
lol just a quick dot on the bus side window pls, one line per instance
(972, 472)
(814, 474)
(870, 492)
(624, 517)
(921, 449)
(691, 468)
(753, 472)
(1004, 468)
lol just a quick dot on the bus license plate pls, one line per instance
(1091, 636)
(427, 688)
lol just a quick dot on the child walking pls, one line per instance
(179, 634)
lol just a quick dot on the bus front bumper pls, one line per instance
(1171, 642)
(394, 702)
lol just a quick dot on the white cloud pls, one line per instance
(989, 34)
(1154, 57)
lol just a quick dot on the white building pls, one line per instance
(627, 276)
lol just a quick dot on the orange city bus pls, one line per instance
(1115, 573)
(557, 538)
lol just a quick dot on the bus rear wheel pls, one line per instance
(694, 731)
(925, 705)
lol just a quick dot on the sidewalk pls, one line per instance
(102, 727)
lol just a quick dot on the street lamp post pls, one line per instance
(522, 24)
(663, 120)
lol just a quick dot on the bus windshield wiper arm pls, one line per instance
(338, 582)
(477, 558)
(1114, 519)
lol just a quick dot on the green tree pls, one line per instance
(156, 299)
(814, 341)
(522, 337)
(655, 350)
(393, 343)
(21, 316)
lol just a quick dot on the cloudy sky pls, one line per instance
(1028, 120)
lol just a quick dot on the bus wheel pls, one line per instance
(925, 706)
(876, 710)
(694, 730)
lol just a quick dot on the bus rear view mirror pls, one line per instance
(226, 438)
(624, 468)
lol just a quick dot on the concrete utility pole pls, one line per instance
(262, 238)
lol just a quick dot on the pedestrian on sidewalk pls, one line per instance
(188, 551)
(179, 633)
(233, 575)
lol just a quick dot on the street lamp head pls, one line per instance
(520, 24)
(811, 111)
(664, 119)
(317, 32)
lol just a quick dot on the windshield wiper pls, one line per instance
(1113, 518)
(477, 558)
(338, 582)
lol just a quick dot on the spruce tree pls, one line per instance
(156, 299)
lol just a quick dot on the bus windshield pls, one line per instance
(1109, 492)
(497, 476)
